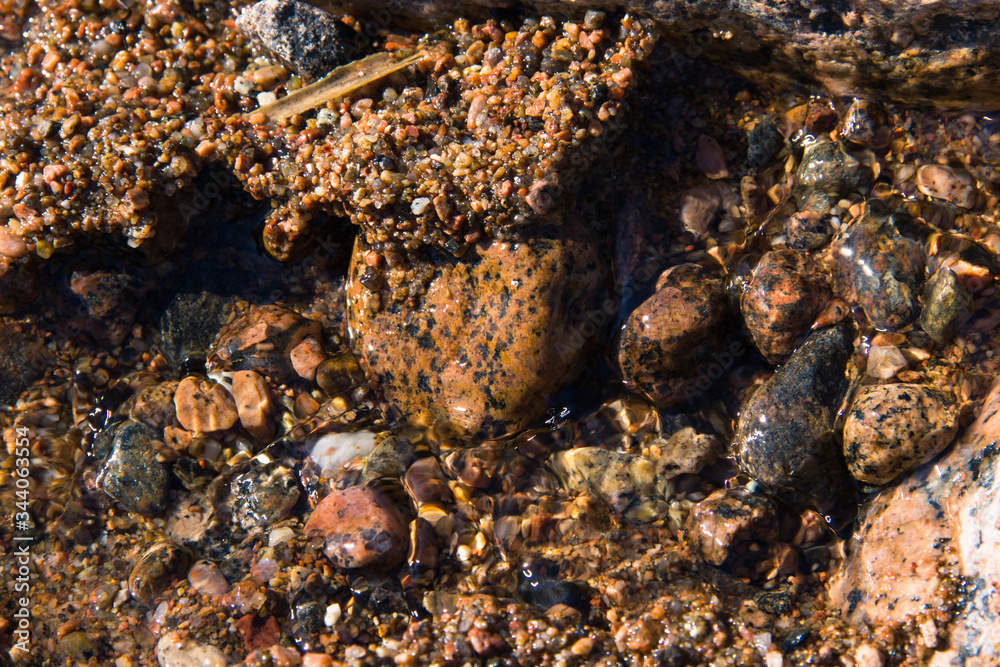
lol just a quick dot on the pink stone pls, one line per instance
(361, 528)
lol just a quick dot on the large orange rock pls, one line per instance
(496, 332)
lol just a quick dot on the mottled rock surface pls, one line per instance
(893, 428)
(627, 483)
(785, 433)
(781, 302)
(492, 337)
(361, 528)
(947, 305)
(262, 495)
(671, 334)
(109, 301)
(191, 322)
(938, 527)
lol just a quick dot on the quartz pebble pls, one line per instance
(361, 528)
(884, 361)
(947, 305)
(207, 579)
(175, 650)
(893, 428)
(332, 450)
(204, 405)
(710, 159)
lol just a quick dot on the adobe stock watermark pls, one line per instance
(23, 535)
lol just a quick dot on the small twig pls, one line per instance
(341, 81)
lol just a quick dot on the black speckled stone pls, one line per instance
(132, 475)
(785, 434)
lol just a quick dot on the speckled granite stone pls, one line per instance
(939, 526)
(494, 334)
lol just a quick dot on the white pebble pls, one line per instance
(419, 205)
(280, 535)
(173, 650)
(263, 99)
(332, 615)
(333, 450)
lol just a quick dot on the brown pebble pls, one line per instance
(207, 579)
(253, 404)
(361, 528)
(204, 405)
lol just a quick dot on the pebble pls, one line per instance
(669, 341)
(11, 245)
(941, 182)
(686, 452)
(807, 230)
(866, 123)
(724, 519)
(884, 361)
(110, 300)
(893, 428)
(204, 405)
(626, 482)
(263, 339)
(710, 159)
(332, 450)
(175, 650)
(207, 579)
(785, 432)
(132, 475)
(311, 41)
(154, 405)
(698, 209)
(764, 142)
(263, 495)
(361, 528)
(827, 173)
(79, 646)
(781, 302)
(947, 306)
(493, 333)
(339, 374)
(190, 323)
(884, 268)
(155, 570)
(253, 404)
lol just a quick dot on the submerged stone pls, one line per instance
(493, 336)
(132, 475)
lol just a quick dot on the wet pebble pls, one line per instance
(710, 159)
(204, 405)
(825, 174)
(339, 374)
(724, 519)
(191, 322)
(361, 528)
(893, 428)
(671, 334)
(311, 41)
(626, 482)
(785, 431)
(110, 300)
(866, 123)
(206, 578)
(807, 230)
(264, 339)
(175, 650)
(154, 405)
(947, 305)
(263, 495)
(156, 569)
(764, 142)
(781, 302)
(687, 452)
(332, 450)
(884, 268)
(132, 475)
(79, 646)
(884, 361)
(253, 404)
(948, 183)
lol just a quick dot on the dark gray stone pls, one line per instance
(827, 173)
(191, 322)
(308, 40)
(132, 475)
(947, 305)
(785, 437)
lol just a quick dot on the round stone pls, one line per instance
(204, 405)
(362, 529)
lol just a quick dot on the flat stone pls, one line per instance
(941, 182)
(626, 482)
(893, 428)
(253, 404)
(362, 529)
(204, 405)
(939, 525)
(884, 361)
(132, 475)
(493, 335)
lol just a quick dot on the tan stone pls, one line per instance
(306, 357)
(204, 405)
(253, 403)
